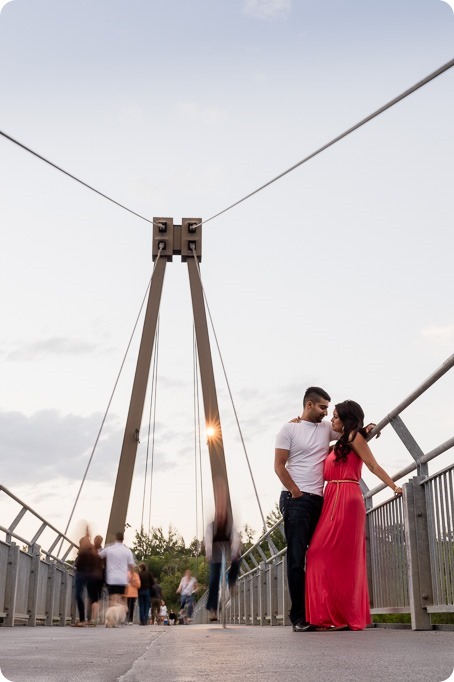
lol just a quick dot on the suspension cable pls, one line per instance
(73, 177)
(154, 426)
(149, 422)
(376, 113)
(230, 392)
(111, 397)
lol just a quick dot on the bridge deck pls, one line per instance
(199, 652)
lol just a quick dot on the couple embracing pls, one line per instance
(332, 594)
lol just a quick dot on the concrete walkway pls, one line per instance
(202, 652)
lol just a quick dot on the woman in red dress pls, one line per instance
(336, 578)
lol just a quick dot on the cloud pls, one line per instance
(188, 109)
(267, 9)
(51, 347)
(443, 334)
(49, 446)
(3, 3)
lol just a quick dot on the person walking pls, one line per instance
(146, 582)
(156, 603)
(119, 560)
(221, 537)
(95, 581)
(84, 565)
(132, 592)
(337, 595)
(186, 589)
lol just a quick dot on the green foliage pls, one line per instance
(168, 558)
(276, 537)
(156, 543)
(247, 535)
(436, 618)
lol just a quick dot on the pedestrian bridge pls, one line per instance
(410, 546)
(199, 652)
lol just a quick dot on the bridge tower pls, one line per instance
(184, 240)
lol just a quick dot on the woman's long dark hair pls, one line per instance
(352, 418)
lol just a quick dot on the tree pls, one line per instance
(167, 558)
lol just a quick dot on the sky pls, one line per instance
(339, 274)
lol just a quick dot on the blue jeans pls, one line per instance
(300, 515)
(80, 584)
(187, 602)
(144, 605)
(215, 576)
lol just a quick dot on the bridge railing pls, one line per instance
(409, 541)
(35, 585)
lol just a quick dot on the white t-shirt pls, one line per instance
(308, 446)
(118, 560)
(187, 585)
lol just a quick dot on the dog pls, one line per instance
(115, 616)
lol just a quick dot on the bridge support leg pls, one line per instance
(210, 402)
(416, 536)
(120, 502)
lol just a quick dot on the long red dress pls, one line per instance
(336, 578)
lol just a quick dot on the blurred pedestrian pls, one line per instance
(119, 560)
(95, 581)
(221, 537)
(156, 602)
(163, 615)
(84, 568)
(132, 592)
(146, 581)
(186, 589)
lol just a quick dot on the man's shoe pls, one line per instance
(302, 627)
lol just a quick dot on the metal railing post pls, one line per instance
(262, 593)
(417, 541)
(11, 584)
(285, 593)
(33, 586)
(50, 595)
(63, 595)
(272, 593)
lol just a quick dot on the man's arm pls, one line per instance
(280, 460)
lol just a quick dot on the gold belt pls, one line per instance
(341, 480)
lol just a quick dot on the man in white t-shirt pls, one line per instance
(301, 450)
(119, 560)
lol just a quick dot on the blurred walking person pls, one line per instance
(221, 537)
(146, 582)
(119, 560)
(186, 589)
(132, 592)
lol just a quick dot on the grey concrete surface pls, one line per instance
(201, 652)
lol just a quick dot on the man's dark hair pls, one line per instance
(315, 393)
(119, 537)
